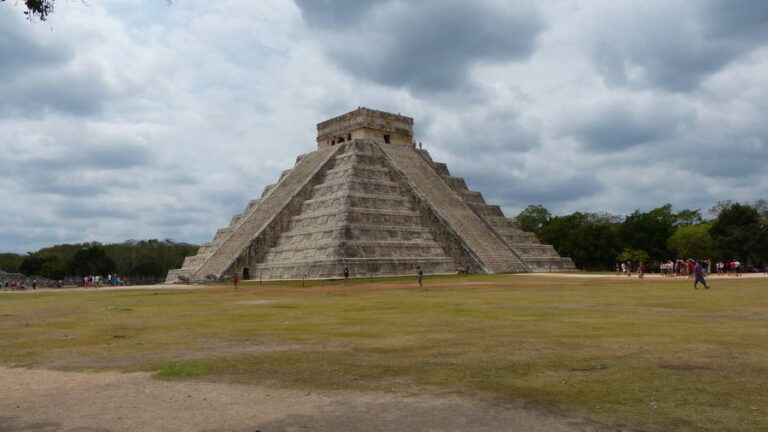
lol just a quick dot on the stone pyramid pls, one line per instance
(369, 201)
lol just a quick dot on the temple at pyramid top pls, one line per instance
(367, 203)
(365, 123)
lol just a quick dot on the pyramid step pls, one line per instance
(221, 234)
(522, 238)
(356, 215)
(354, 249)
(252, 205)
(456, 183)
(356, 186)
(535, 250)
(236, 219)
(357, 267)
(357, 168)
(354, 232)
(355, 199)
(487, 209)
(473, 197)
(441, 168)
(549, 264)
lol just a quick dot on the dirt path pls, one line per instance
(53, 401)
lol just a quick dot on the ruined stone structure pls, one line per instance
(367, 200)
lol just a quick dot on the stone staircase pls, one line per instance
(214, 258)
(486, 246)
(536, 256)
(356, 218)
(192, 263)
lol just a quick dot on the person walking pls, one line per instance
(641, 270)
(419, 276)
(698, 276)
(235, 280)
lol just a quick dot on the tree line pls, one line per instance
(143, 261)
(597, 241)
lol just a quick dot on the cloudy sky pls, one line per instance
(126, 119)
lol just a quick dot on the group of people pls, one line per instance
(693, 269)
(686, 268)
(95, 281)
(22, 285)
(625, 268)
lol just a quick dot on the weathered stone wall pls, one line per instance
(364, 123)
(524, 245)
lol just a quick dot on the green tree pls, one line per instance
(589, 239)
(54, 270)
(634, 256)
(692, 241)
(738, 232)
(10, 262)
(533, 218)
(91, 260)
(650, 231)
(32, 265)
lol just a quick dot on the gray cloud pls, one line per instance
(737, 19)
(20, 52)
(427, 47)
(42, 93)
(91, 209)
(492, 131)
(520, 189)
(335, 13)
(677, 46)
(622, 125)
(63, 184)
(37, 74)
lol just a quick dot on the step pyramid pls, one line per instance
(369, 202)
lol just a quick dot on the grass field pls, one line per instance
(657, 355)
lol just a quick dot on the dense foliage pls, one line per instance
(10, 262)
(598, 241)
(138, 261)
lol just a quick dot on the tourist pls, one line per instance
(346, 274)
(419, 275)
(698, 276)
(641, 270)
(235, 280)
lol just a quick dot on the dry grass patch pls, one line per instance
(658, 355)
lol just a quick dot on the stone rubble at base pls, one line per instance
(369, 201)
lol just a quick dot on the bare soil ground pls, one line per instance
(55, 401)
